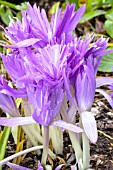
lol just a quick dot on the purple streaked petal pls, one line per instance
(17, 121)
(103, 81)
(8, 104)
(89, 125)
(106, 95)
(16, 167)
(26, 43)
(67, 126)
(76, 18)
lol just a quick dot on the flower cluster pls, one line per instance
(50, 66)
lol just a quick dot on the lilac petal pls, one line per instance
(59, 167)
(40, 166)
(67, 126)
(107, 52)
(8, 104)
(106, 95)
(89, 125)
(76, 18)
(26, 43)
(16, 167)
(16, 121)
(67, 87)
(103, 81)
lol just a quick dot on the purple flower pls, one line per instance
(7, 102)
(45, 81)
(83, 80)
(36, 30)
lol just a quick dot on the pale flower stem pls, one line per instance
(73, 137)
(4, 161)
(57, 139)
(86, 151)
(86, 148)
(76, 145)
(80, 135)
(35, 133)
(29, 135)
(45, 145)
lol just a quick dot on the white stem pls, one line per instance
(30, 133)
(19, 154)
(86, 151)
(73, 137)
(57, 139)
(45, 145)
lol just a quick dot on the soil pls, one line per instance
(102, 151)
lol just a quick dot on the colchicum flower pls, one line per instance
(36, 30)
(7, 102)
(83, 80)
(39, 58)
(49, 65)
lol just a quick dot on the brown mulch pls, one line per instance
(102, 151)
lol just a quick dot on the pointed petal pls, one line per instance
(26, 43)
(76, 18)
(103, 81)
(89, 125)
(16, 121)
(106, 95)
(67, 126)
(16, 167)
(40, 166)
(59, 167)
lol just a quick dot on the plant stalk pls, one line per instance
(45, 145)
(86, 151)
(73, 137)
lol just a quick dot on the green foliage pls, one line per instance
(109, 27)
(3, 142)
(74, 1)
(109, 22)
(89, 15)
(89, 5)
(5, 15)
(54, 8)
(6, 11)
(106, 64)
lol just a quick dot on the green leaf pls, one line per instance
(109, 27)
(5, 17)
(19, 16)
(2, 11)
(24, 6)
(89, 15)
(89, 5)
(54, 8)
(3, 142)
(8, 4)
(111, 2)
(106, 63)
(18, 7)
(75, 2)
(109, 14)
